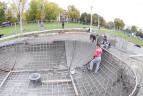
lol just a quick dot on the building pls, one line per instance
(127, 27)
(63, 16)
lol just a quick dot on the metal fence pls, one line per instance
(37, 25)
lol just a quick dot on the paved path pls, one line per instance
(27, 33)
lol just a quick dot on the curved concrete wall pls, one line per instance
(79, 53)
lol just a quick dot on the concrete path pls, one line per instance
(27, 33)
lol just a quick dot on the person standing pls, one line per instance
(96, 58)
(63, 25)
(42, 26)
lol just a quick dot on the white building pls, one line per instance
(127, 27)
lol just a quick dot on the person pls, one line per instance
(88, 30)
(93, 37)
(1, 35)
(96, 58)
(63, 25)
(105, 43)
(42, 26)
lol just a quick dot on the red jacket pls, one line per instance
(97, 52)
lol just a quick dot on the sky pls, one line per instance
(130, 11)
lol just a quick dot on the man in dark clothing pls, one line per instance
(1, 35)
(93, 37)
(105, 43)
(63, 25)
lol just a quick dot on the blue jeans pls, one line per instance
(96, 61)
(106, 46)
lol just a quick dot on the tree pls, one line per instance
(122, 25)
(95, 19)
(33, 12)
(73, 13)
(15, 7)
(134, 28)
(101, 20)
(9, 16)
(111, 24)
(2, 12)
(83, 17)
(88, 18)
(52, 11)
(119, 23)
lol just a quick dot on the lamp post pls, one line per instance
(91, 19)
(21, 30)
(98, 23)
(114, 25)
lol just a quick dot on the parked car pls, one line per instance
(6, 24)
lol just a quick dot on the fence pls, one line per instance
(29, 26)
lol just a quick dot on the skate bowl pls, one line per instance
(53, 59)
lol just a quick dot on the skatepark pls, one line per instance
(53, 56)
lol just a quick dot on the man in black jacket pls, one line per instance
(63, 25)
(105, 43)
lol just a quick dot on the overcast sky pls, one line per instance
(130, 11)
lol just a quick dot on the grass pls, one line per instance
(7, 31)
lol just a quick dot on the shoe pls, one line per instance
(88, 69)
(95, 72)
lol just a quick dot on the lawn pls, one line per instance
(7, 31)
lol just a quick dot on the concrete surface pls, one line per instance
(40, 53)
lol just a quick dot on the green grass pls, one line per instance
(7, 31)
